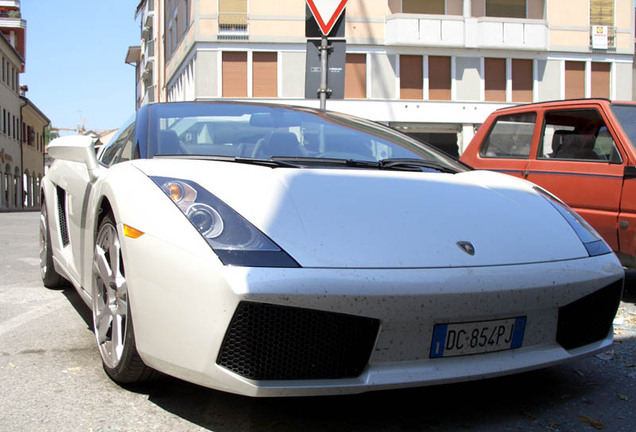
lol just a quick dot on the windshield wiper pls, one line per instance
(272, 162)
(404, 164)
(318, 161)
(415, 164)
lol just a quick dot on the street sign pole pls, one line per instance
(324, 63)
(326, 13)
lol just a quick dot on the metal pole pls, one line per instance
(324, 47)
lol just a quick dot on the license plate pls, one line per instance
(477, 337)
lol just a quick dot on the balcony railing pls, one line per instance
(233, 26)
(10, 14)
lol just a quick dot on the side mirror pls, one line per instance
(76, 148)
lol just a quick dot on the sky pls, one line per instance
(75, 60)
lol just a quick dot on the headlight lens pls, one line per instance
(235, 240)
(207, 220)
(594, 244)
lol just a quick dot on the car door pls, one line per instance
(505, 146)
(578, 160)
(71, 180)
(624, 116)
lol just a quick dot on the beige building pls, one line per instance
(10, 148)
(22, 124)
(434, 69)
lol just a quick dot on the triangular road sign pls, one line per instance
(326, 12)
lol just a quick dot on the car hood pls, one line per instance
(361, 218)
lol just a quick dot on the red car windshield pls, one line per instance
(626, 116)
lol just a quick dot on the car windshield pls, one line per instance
(626, 115)
(300, 136)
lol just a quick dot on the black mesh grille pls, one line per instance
(61, 211)
(590, 318)
(270, 342)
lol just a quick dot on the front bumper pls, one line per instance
(185, 307)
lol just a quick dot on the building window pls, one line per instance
(495, 79)
(432, 7)
(506, 8)
(356, 76)
(265, 74)
(411, 77)
(234, 74)
(439, 78)
(600, 80)
(177, 22)
(574, 80)
(602, 12)
(522, 80)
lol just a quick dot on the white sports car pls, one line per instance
(267, 250)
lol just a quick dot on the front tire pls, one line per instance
(112, 318)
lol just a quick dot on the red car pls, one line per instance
(580, 150)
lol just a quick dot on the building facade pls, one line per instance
(10, 147)
(22, 124)
(433, 69)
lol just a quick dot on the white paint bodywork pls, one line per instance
(379, 244)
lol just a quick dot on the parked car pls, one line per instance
(268, 250)
(580, 150)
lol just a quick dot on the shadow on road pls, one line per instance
(80, 307)
(497, 404)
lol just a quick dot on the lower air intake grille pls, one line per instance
(590, 318)
(271, 342)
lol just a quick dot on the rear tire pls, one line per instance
(50, 278)
(112, 317)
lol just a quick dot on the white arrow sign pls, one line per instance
(326, 12)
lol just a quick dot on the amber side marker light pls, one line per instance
(131, 232)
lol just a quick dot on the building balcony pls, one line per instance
(459, 32)
(12, 22)
(147, 30)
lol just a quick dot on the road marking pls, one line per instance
(39, 310)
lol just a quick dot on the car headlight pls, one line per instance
(234, 239)
(593, 242)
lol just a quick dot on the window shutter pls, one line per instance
(574, 80)
(234, 74)
(411, 77)
(601, 80)
(264, 74)
(522, 80)
(602, 12)
(356, 76)
(495, 77)
(439, 78)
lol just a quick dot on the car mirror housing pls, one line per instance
(76, 148)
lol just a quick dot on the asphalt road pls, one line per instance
(51, 379)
